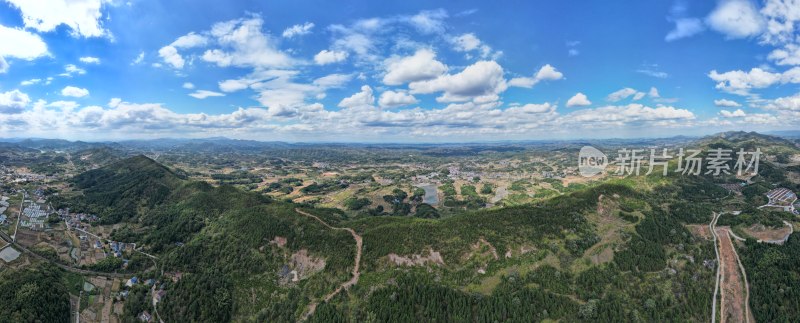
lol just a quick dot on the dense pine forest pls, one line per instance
(34, 294)
(774, 275)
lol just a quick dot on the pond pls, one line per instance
(431, 194)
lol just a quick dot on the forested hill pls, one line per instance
(236, 250)
(34, 294)
(122, 190)
(749, 141)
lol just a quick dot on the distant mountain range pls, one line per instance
(221, 144)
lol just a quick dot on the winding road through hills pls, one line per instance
(356, 268)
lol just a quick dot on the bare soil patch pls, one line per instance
(760, 232)
(733, 305)
(482, 249)
(700, 230)
(433, 257)
(304, 264)
(608, 227)
(280, 241)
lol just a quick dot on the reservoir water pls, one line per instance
(431, 195)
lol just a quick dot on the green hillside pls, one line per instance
(565, 274)
(125, 189)
(221, 239)
(749, 141)
(34, 294)
(618, 250)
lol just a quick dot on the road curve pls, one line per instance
(356, 268)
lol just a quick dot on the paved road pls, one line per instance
(356, 273)
(78, 309)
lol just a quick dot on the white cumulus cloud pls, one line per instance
(139, 59)
(532, 108)
(736, 19)
(114, 102)
(190, 40)
(469, 42)
(13, 101)
(234, 85)
(360, 99)
(202, 94)
(653, 93)
(392, 99)
(74, 92)
(428, 21)
(545, 73)
(788, 103)
(83, 17)
(624, 94)
(788, 55)
(741, 82)
(71, 69)
(732, 114)
(170, 53)
(90, 60)
(21, 44)
(171, 56)
(578, 100)
(30, 82)
(726, 103)
(482, 81)
(244, 44)
(298, 30)
(329, 56)
(418, 67)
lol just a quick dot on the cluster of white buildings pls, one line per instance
(77, 220)
(782, 198)
(28, 177)
(3, 208)
(36, 216)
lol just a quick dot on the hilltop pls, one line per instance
(750, 141)
(229, 244)
(124, 189)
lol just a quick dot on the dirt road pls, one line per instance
(734, 290)
(717, 276)
(356, 271)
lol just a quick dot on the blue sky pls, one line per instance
(410, 71)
